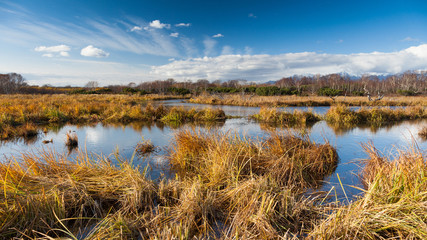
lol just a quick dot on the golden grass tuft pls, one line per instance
(394, 204)
(38, 191)
(273, 116)
(220, 157)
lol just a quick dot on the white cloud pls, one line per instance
(183, 25)
(136, 28)
(251, 15)
(157, 24)
(218, 35)
(91, 51)
(271, 67)
(59, 50)
(209, 44)
(175, 34)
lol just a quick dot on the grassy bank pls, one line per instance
(19, 114)
(280, 101)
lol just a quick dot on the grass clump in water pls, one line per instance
(376, 116)
(272, 116)
(423, 132)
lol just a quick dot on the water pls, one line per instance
(108, 139)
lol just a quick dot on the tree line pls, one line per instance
(409, 84)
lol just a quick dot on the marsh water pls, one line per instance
(119, 141)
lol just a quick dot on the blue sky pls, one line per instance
(62, 42)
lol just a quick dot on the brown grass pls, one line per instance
(280, 101)
(26, 111)
(273, 116)
(394, 205)
(342, 116)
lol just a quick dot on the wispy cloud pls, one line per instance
(91, 51)
(183, 25)
(218, 35)
(209, 44)
(59, 50)
(410, 39)
(27, 29)
(175, 34)
(271, 67)
(251, 15)
(136, 28)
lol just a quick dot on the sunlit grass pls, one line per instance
(394, 204)
(20, 114)
(273, 116)
(280, 101)
(343, 116)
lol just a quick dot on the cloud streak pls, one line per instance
(59, 50)
(272, 67)
(126, 36)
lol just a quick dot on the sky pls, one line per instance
(64, 42)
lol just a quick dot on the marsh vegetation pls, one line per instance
(215, 182)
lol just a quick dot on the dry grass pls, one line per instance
(20, 112)
(218, 157)
(342, 116)
(223, 196)
(394, 205)
(272, 116)
(39, 191)
(280, 101)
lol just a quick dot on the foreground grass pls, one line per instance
(226, 186)
(281, 101)
(19, 114)
(394, 205)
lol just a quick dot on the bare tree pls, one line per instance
(92, 85)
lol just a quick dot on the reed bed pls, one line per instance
(217, 157)
(394, 204)
(42, 194)
(280, 101)
(237, 188)
(20, 113)
(273, 116)
(344, 117)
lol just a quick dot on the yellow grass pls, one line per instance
(278, 101)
